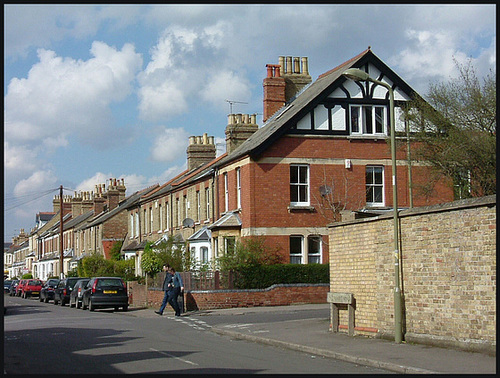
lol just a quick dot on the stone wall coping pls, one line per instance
(270, 288)
(488, 201)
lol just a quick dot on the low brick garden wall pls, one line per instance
(275, 295)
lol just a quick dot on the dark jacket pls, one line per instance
(167, 281)
(177, 281)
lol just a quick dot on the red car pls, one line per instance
(32, 288)
(20, 287)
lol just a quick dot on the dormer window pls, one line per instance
(368, 120)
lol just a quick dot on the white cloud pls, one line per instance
(225, 85)
(34, 183)
(170, 145)
(17, 158)
(183, 61)
(64, 96)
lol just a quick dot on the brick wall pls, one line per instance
(448, 272)
(276, 295)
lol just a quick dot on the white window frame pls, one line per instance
(207, 199)
(371, 185)
(317, 255)
(160, 208)
(132, 229)
(198, 206)
(204, 258)
(238, 186)
(226, 193)
(295, 200)
(300, 255)
(167, 215)
(362, 119)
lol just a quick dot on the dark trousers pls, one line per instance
(172, 299)
(165, 300)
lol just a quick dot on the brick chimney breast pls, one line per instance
(201, 150)
(239, 128)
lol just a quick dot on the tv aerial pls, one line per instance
(231, 102)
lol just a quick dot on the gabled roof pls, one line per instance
(75, 222)
(283, 119)
(203, 234)
(230, 219)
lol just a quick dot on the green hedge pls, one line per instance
(263, 276)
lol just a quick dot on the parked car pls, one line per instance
(13, 287)
(47, 292)
(20, 287)
(102, 292)
(63, 290)
(75, 298)
(32, 288)
(6, 285)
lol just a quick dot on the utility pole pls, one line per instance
(61, 253)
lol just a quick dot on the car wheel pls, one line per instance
(84, 306)
(56, 301)
(46, 299)
(40, 298)
(62, 302)
(77, 305)
(125, 308)
(91, 306)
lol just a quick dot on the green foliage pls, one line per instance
(262, 276)
(115, 250)
(151, 262)
(456, 128)
(173, 252)
(27, 276)
(96, 265)
(251, 251)
(73, 273)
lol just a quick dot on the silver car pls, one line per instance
(75, 298)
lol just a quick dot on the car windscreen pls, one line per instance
(107, 282)
(34, 282)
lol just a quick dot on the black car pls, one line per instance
(13, 288)
(6, 285)
(75, 298)
(47, 292)
(102, 292)
(63, 290)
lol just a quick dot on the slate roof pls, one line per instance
(123, 205)
(230, 219)
(297, 107)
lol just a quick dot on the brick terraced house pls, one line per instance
(321, 156)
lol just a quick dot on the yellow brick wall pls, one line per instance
(448, 271)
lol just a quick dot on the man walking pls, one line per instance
(177, 287)
(167, 287)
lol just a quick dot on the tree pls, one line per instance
(456, 131)
(151, 263)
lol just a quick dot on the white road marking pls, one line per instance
(177, 358)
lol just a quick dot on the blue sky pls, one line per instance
(115, 91)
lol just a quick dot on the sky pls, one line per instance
(93, 92)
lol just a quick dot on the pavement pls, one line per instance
(312, 336)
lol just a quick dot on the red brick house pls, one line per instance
(322, 155)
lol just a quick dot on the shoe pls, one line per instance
(177, 314)
(158, 312)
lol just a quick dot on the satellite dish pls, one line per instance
(188, 222)
(325, 190)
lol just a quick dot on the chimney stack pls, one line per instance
(99, 201)
(239, 128)
(283, 82)
(201, 150)
(115, 193)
